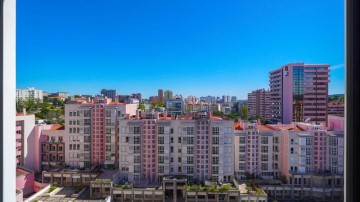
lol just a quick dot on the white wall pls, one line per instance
(9, 89)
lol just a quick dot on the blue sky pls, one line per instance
(190, 47)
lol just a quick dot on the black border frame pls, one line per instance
(352, 102)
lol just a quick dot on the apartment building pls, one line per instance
(168, 94)
(161, 95)
(25, 124)
(29, 93)
(175, 106)
(110, 93)
(152, 146)
(336, 108)
(256, 150)
(53, 147)
(91, 135)
(259, 104)
(299, 92)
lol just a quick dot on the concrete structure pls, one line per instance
(25, 138)
(161, 95)
(29, 93)
(137, 96)
(109, 93)
(53, 148)
(152, 147)
(25, 180)
(255, 150)
(91, 136)
(168, 94)
(226, 99)
(233, 99)
(336, 123)
(153, 99)
(59, 94)
(175, 106)
(298, 92)
(336, 108)
(259, 104)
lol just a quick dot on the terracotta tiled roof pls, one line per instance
(57, 127)
(237, 126)
(265, 127)
(216, 118)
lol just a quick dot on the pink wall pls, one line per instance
(335, 123)
(284, 153)
(25, 181)
(39, 138)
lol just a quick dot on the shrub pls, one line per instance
(52, 188)
(225, 187)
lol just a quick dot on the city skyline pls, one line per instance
(130, 48)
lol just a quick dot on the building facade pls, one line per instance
(168, 94)
(198, 147)
(110, 93)
(259, 104)
(29, 93)
(336, 108)
(299, 92)
(91, 136)
(175, 106)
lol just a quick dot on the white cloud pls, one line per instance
(339, 66)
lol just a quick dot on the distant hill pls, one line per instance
(336, 97)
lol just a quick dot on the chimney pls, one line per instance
(127, 116)
(24, 111)
(165, 113)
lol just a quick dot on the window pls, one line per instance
(264, 157)
(215, 130)
(264, 149)
(189, 159)
(161, 159)
(160, 169)
(161, 130)
(160, 149)
(264, 166)
(241, 148)
(190, 150)
(242, 140)
(264, 140)
(108, 147)
(215, 140)
(179, 140)
(215, 160)
(215, 170)
(137, 159)
(215, 150)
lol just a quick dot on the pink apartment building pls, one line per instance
(336, 108)
(53, 147)
(298, 92)
(259, 104)
(91, 137)
(256, 150)
(198, 147)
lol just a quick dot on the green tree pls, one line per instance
(244, 112)
(142, 107)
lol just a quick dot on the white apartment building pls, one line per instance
(29, 93)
